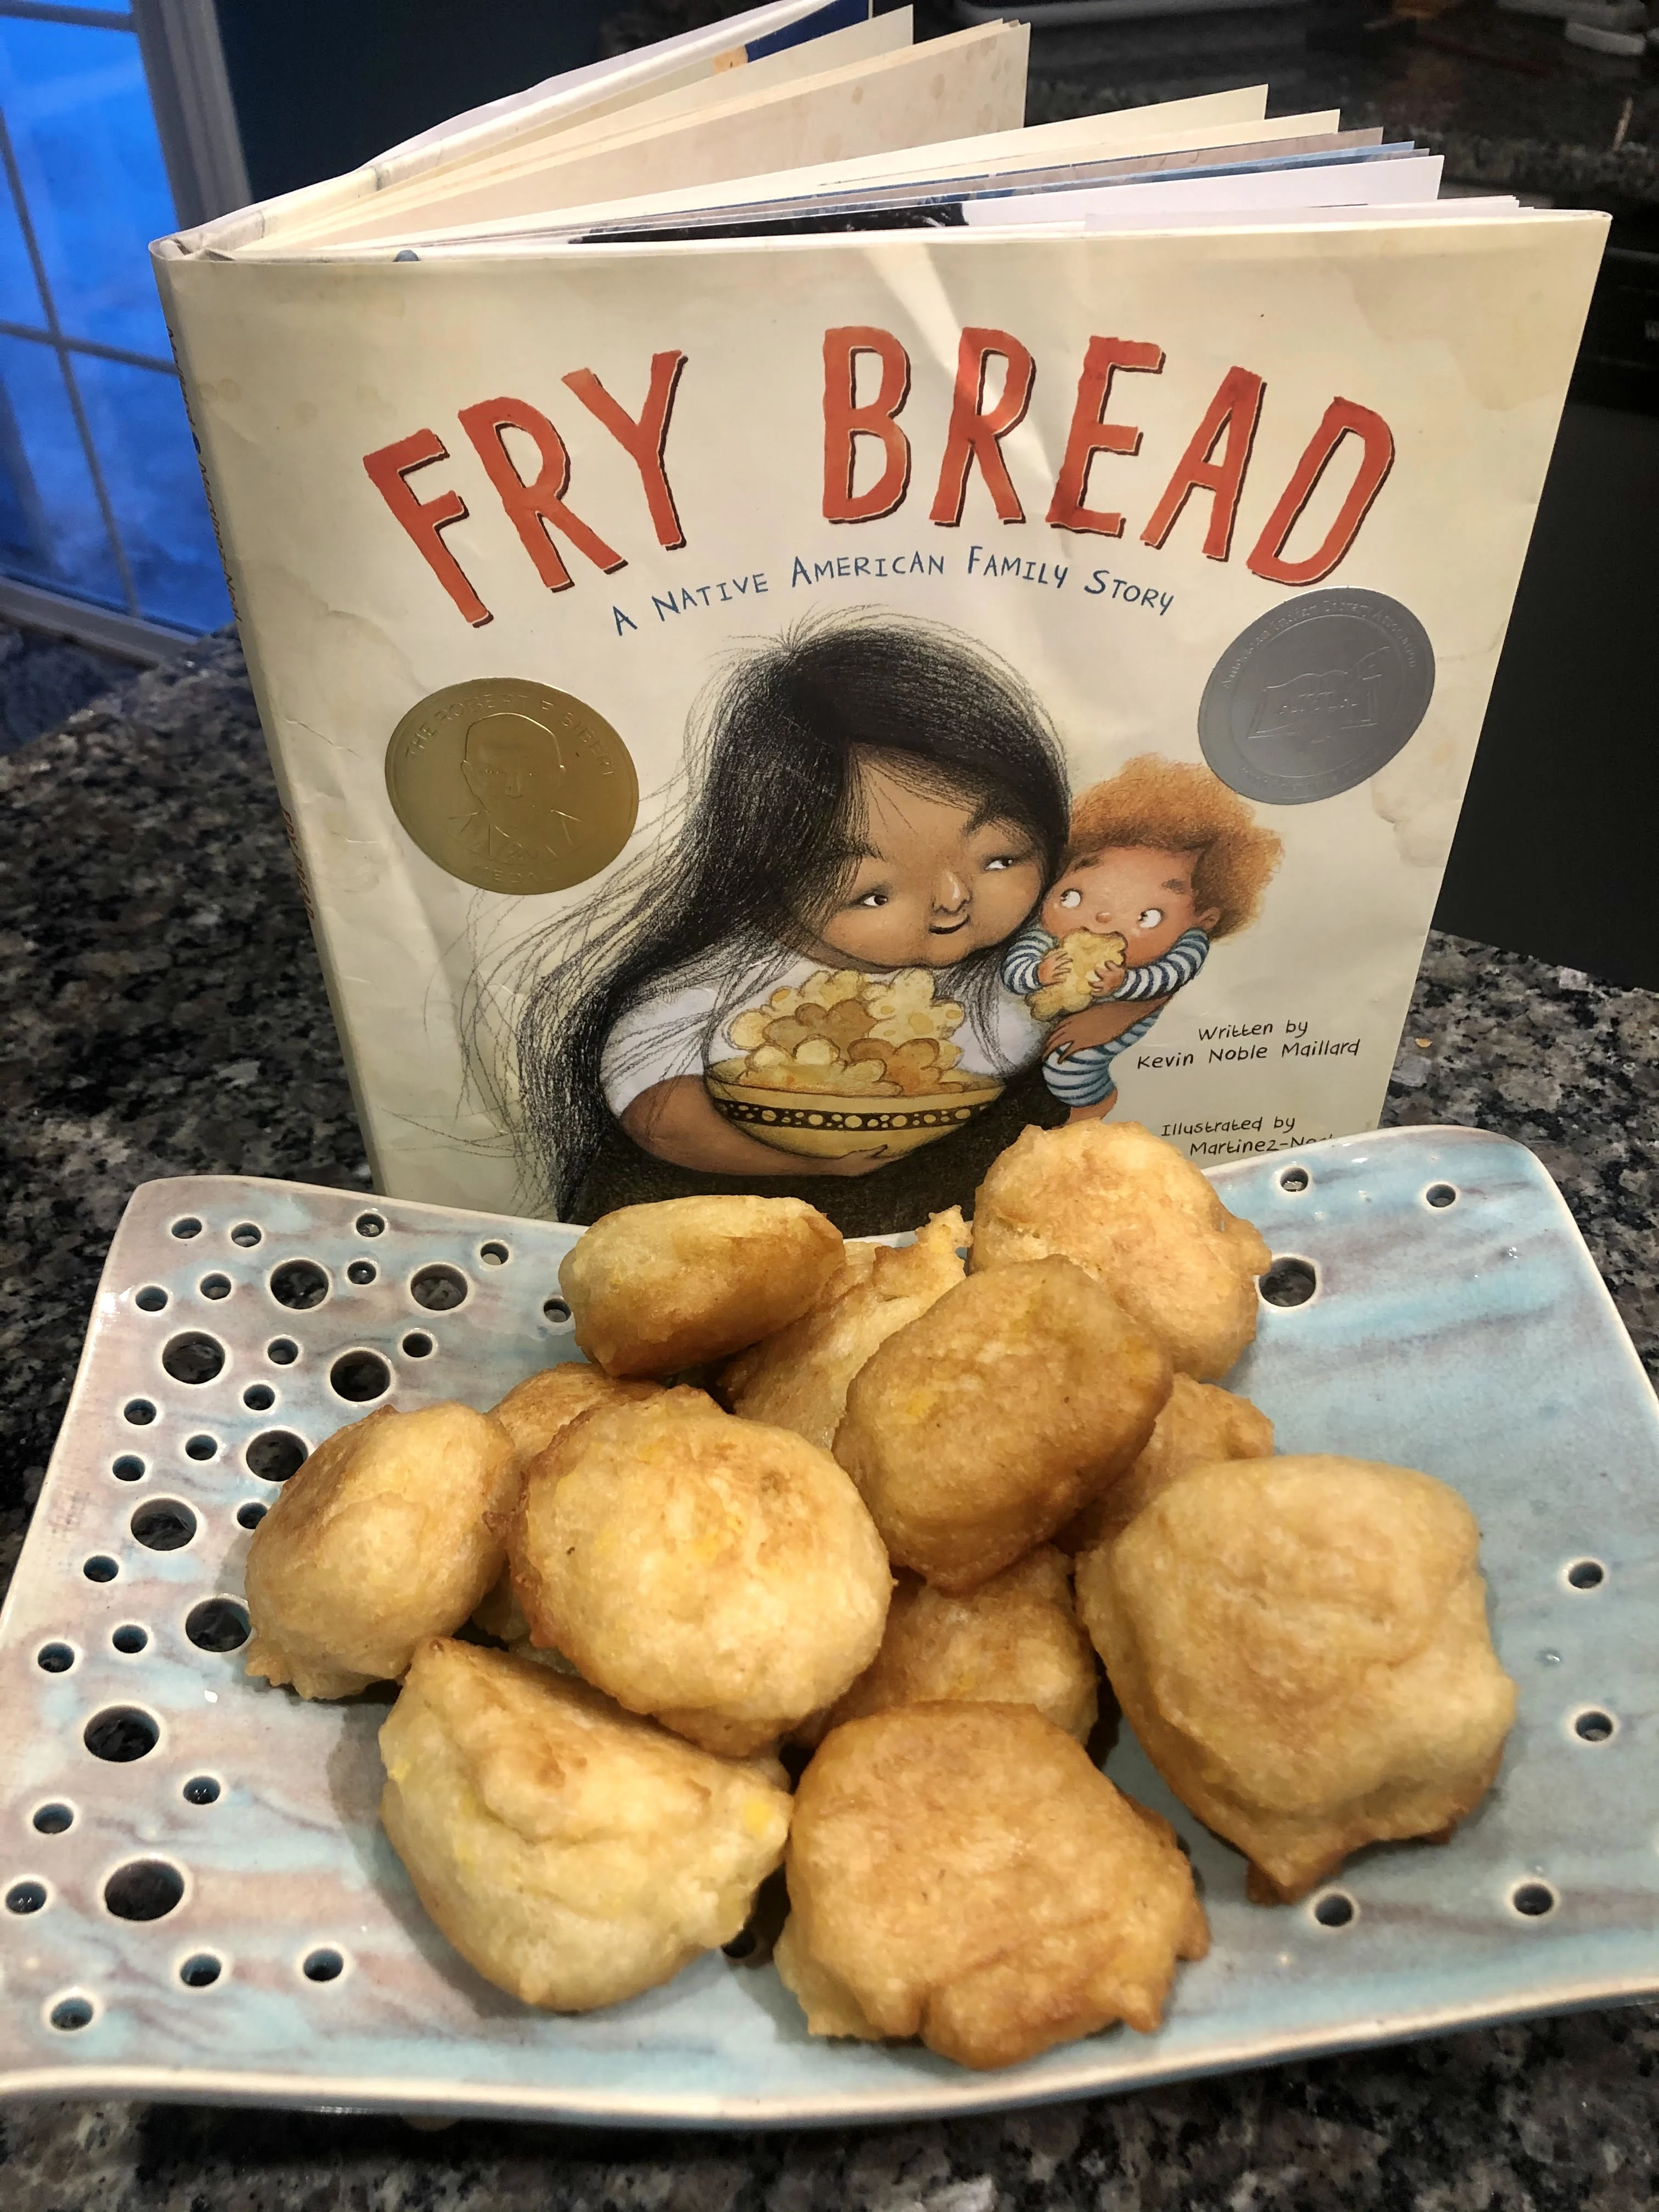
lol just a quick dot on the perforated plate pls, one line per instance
(1471, 1337)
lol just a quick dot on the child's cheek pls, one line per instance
(1153, 944)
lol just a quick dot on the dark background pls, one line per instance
(322, 86)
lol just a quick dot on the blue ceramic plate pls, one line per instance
(1455, 1324)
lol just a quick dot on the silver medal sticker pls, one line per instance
(1316, 697)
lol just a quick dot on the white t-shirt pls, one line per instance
(666, 1033)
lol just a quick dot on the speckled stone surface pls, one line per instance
(42, 679)
(161, 1012)
(1511, 105)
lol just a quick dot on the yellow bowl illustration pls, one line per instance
(827, 1124)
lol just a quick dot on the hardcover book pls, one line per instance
(803, 626)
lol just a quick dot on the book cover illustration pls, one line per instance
(786, 715)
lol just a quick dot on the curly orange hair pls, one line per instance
(1178, 807)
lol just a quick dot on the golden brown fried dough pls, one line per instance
(534, 1410)
(533, 1413)
(573, 1854)
(963, 1873)
(1301, 1646)
(382, 1538)
(983, 1426)
(723, 1576)
(652, 1288)
(1199, 1423)
(1014, 1641)
(1142, 1219)
(798, 1378)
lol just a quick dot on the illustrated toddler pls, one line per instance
(1162, 859)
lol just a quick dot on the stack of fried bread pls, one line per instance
(803, 1501)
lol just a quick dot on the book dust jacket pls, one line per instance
(782, 716)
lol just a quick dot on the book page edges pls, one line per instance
(461, 139)
(705, 87)
(892, 101)
(946, 163)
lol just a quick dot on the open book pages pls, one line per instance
(804, 626)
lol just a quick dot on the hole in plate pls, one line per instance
(360, 1375)
(120, 1733)
(193, 1358)
(299, 1285)
(361, 1271)
(370, 1224)
(187, 1225)
(247, 1234)
(200, 1447)
(215, 1286)
(557, 1312)
(55, 1658)
(250, 1513)
(418, 1344)
(1586, 1574)
(217, 1624)
(1294, 1180)
(144, 1889)
(200, 1971)
(495, 1253)
(54, 1819)
(99, 1568)
(439, 1289)
(163, 1524)
(281, 1352)
(1532, 1899)
(139, 1411)
(1289, 1282)
(1334, 1910)
(324, 1964)
(25, 1897)
(1440, 1193)
(200, 1789)
(71, 2013)
(274, 1456)
(130, 1637)
(258, 1397)
(128, 1468)
(1594, 1726)
(150, 1299)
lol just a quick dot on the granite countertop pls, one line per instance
(1511, 105)
(164, 1015)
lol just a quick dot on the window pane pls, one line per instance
(148, 459)
(50, 521)
(20, 295)
(78, 107)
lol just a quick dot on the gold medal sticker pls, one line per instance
(512, 786)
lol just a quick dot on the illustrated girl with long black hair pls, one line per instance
(867, 796)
